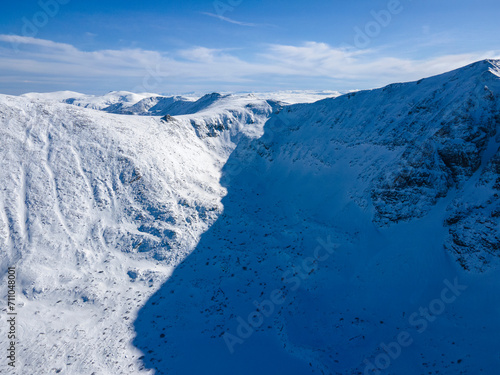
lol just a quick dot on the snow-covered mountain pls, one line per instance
(235, 234)
(95, 210)
(127, 103)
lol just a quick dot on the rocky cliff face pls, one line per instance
(474, 217)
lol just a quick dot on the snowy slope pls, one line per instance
(332, 255)
(95, 211)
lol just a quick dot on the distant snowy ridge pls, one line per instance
(127, 103)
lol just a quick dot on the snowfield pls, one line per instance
(244, 234)
(95, 211)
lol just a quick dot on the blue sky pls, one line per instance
(238, 45)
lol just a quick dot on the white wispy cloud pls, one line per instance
(230, 20)
(33, 59)
(17, 40)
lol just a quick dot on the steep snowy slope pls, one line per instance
(433, 136)
(95, 211)
(332, 255)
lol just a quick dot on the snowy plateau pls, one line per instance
(244, 234)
